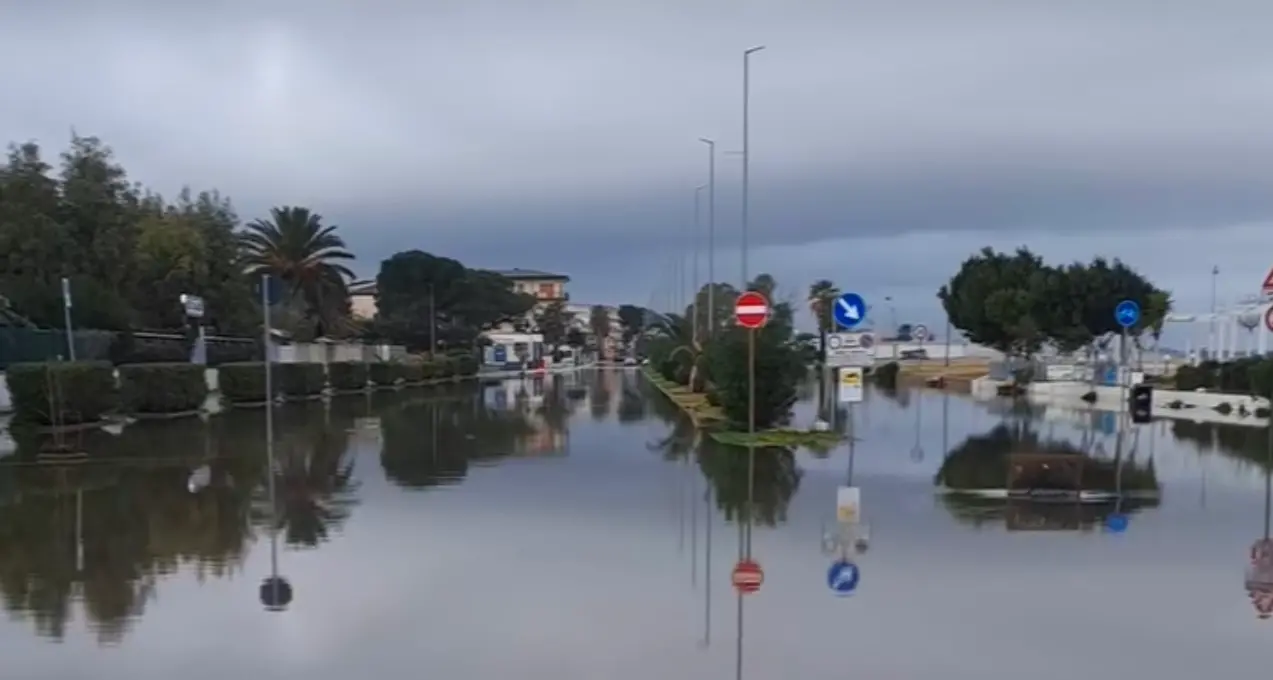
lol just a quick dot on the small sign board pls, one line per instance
(751, 310)
(848, 505)
(1268, 319)
(850, 384)
(1267, 287)
(920, 333)
(850, 349)
(193, 305)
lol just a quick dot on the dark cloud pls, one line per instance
(564, 135)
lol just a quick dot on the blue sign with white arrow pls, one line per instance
(1127, 313)
(849, 310)
(843, 577)
(1116, 523)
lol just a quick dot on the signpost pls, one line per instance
(193, 306)
(849, 310)
(751, 311)
(843, 577)
(748, 576)
(850, 385)
(66, 311)
(920, 333)
(856, 348)
(848, 505)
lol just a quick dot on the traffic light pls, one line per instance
(1140, 403)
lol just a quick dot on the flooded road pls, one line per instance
(576, 529)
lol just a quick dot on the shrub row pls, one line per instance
(1252, 375)
(74, 392)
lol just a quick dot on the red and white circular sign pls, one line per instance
(751, 310)
(1268, 319)
(748, 576)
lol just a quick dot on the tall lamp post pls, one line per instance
(746, 148)
(711, 234)
(698, 195)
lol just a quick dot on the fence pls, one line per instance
(18, 345)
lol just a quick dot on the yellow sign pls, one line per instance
(850, 385)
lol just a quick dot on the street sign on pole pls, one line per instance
(849, 310)
(751, 310)
(850, 385)
(193, 305)
(1127, 313)
(843, 577)
(66, 314)
(748, 576)
(1268, 319)
(919, 333)
(855, 348)
(848, 505)
(1267, 287)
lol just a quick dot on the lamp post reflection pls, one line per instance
(1259, 579)
(707, 564)
(276, 591)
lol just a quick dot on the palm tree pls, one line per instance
(679, 332)
(822, 295)
(295, 247)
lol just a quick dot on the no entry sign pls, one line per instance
(748, 576)
(751, 310)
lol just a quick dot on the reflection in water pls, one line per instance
(103, 531)
(776, 475)
(1259, 577)
(1038, 481)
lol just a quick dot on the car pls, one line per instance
(629, 361)
(914, 354)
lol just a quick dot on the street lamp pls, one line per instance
(698, 194)
(711, 234)
(746, 146)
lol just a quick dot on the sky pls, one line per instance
(888, 141)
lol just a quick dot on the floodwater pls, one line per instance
(567, 530)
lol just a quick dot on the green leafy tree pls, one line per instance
(552, 322)
(632, 319)
(779, 369)
(599, 324)
(415, 288)
(308, 257)
(822, 296)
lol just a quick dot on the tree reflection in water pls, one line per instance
(314, 472)
(777, 479)
(103, 531)
(430, 440)
(982, 463)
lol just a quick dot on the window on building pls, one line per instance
(547, 290)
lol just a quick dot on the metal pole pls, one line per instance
(1211, 338)
(751, 430)
(269, 422)
(707, 567)
(66, 311)
(711, 235)
(947, 340)
(698, 191)
(746, 148)
(1268, 478)
(433, 323)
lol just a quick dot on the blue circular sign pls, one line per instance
(1127, 313)
(849, 310)
(843, 577)
(1116, 523)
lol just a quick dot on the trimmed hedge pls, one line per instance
(162, 388)
(347, 375)
(385, 373)
(242, 382)
(1249, 375)
(466, 365)
(413, 372)
(300, 380)
(67, 392)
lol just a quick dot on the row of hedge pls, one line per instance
(1251, 375)
(71, 393)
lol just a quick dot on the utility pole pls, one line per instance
(746, 148)
(711, 235)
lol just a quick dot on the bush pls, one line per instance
(886, 375)
(444, 367)
(162, 388)
(466, 365)
(347, 375)
(67, 392)
(385, 373)
(242, 382)
(300, 379)
(428, 369)
(230, 351)
(412, 372)
(779, 369)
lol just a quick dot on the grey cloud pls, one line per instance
(563, 135)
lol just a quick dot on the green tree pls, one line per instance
(778, 371)
(599, 324)
(553, 321)
(415, 287)
(295, 246)
(822, 296)
(632, 319)
(171, 257)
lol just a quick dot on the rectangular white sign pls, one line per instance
(850, 384)
(851, 349)
(848, 505)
